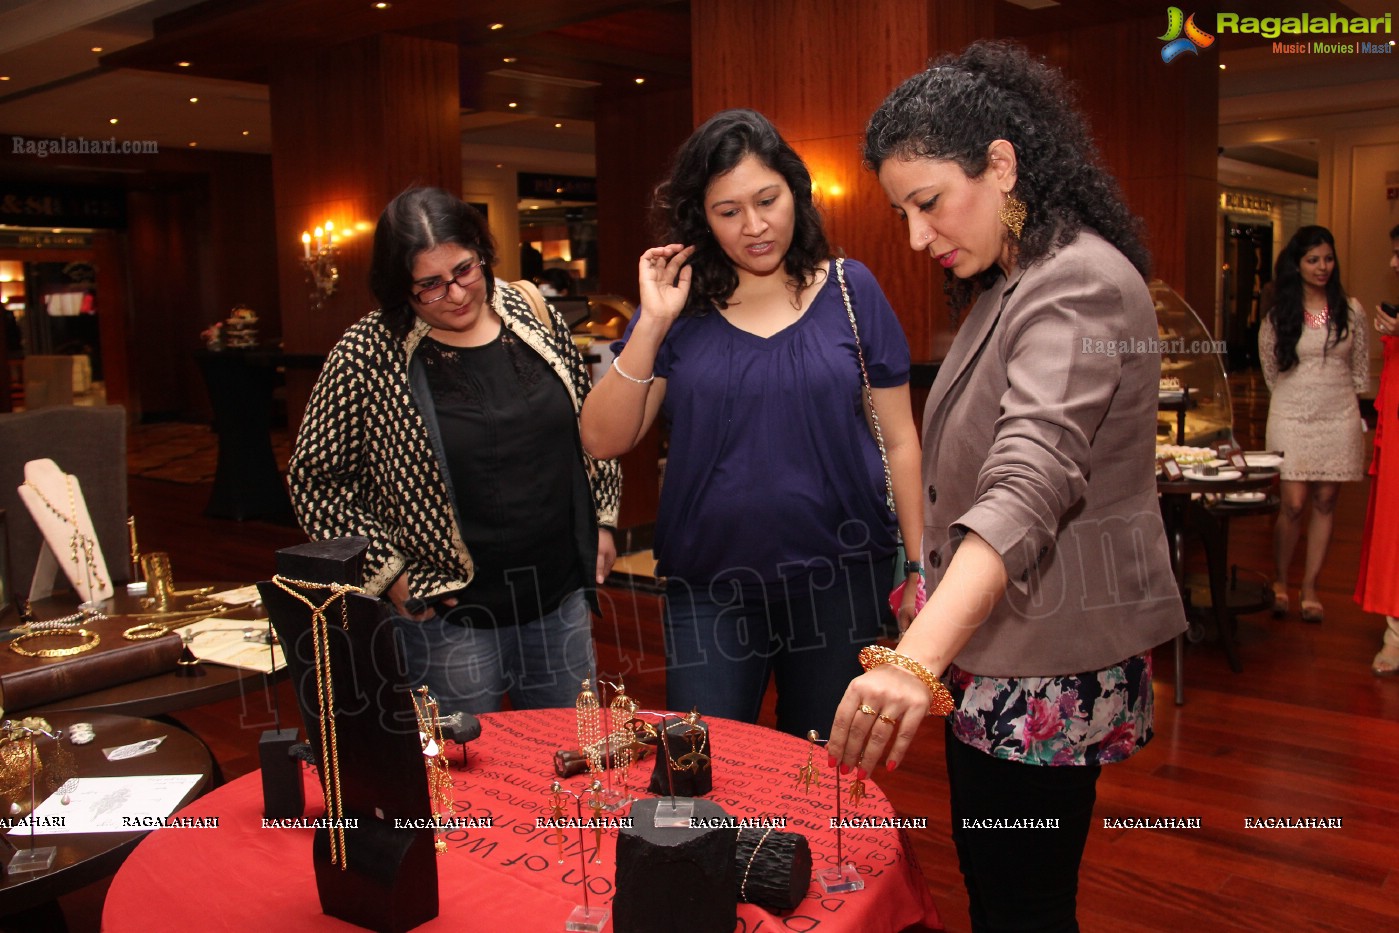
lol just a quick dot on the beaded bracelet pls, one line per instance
(630, 378)
(875, 655)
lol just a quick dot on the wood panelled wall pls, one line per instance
(818, 69)
(352, 126)
(1158, 128)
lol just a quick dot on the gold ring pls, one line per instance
(868, 710)
(889, 719)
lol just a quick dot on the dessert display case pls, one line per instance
(1194, 406)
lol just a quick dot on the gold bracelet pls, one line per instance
(56, 652)
(875, 655)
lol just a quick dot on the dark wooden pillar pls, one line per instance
(352, 126)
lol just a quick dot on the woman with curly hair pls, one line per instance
(1052, 581)
(777, 529)
(1314, 362)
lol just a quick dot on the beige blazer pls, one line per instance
(1039, 435)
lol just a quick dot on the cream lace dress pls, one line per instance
(1314, 418)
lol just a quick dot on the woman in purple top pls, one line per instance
(775, 534)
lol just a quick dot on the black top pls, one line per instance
(511, 442)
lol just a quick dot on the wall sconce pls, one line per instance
(319, 257)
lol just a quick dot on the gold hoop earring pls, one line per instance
(1012, 213)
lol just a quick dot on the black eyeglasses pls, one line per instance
(467, 273)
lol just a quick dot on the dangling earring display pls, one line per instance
(557, 813)
(1012, 213)
(808, 775)
(595, 802)
(857, 786)
(590, 727)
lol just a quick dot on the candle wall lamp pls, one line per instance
(320, 255)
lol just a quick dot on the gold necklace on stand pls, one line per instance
(80, 543)
(325, 697)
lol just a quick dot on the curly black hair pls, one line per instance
(1286, 313)
(678, 205)
(418, 220)
(994, 90)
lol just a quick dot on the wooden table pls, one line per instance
(1181, 510)
(161, 694)
(86, 857)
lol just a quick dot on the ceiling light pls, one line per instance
(183, 64)
(194, 100)
(1222, 66)
(97, 48)
(512, 104)
(247, 132)
(495, 26)
(500, 165)
(558, 126)
(510, 60)
(640, 80)
(382, 6)
(193, 144)
(4, 77)
(113, 121)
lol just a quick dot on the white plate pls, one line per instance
(1245, 496)
(1263, 461)
(1223, 475)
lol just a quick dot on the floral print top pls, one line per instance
(1079, 719)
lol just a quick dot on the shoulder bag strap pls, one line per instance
(536, 301)
(871, 412)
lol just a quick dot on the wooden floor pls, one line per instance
(1304, 732)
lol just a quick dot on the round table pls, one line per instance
(83, 858)
(1177, 513)
(508, 876)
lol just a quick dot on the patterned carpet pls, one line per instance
(184, 453)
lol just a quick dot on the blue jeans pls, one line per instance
(540, 664)
(722, 645)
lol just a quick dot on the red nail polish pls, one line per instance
(830, 760)
(891, 764)
(844, 769)
(861, 774)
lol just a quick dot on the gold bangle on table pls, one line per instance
(56, 652)
(941, 700)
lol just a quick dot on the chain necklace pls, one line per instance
(80, 543)
(325, 697)
(90, 640)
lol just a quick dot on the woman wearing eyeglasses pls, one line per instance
(444, 428)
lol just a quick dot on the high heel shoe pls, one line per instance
(1280, 604)
(1313, 611)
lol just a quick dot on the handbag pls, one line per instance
(872, 417)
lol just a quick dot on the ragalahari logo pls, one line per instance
(1194, 37)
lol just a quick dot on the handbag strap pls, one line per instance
(865, 380)
(536, 302)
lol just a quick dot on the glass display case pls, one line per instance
(1194, 407)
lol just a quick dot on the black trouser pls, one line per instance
(1019, 879)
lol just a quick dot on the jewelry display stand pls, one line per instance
(584, 918)
(843, 876)
(676, 879)
(34, 858)
(55, 500)
(360, 720)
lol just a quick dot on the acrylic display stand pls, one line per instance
(34, 858)
(387, 878)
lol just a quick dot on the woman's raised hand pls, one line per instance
(664, 279)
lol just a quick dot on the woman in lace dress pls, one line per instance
(1315, 360)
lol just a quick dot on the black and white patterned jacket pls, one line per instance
(366, 464)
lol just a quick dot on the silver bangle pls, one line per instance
(641, 382)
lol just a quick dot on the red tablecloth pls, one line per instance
(241, 877)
